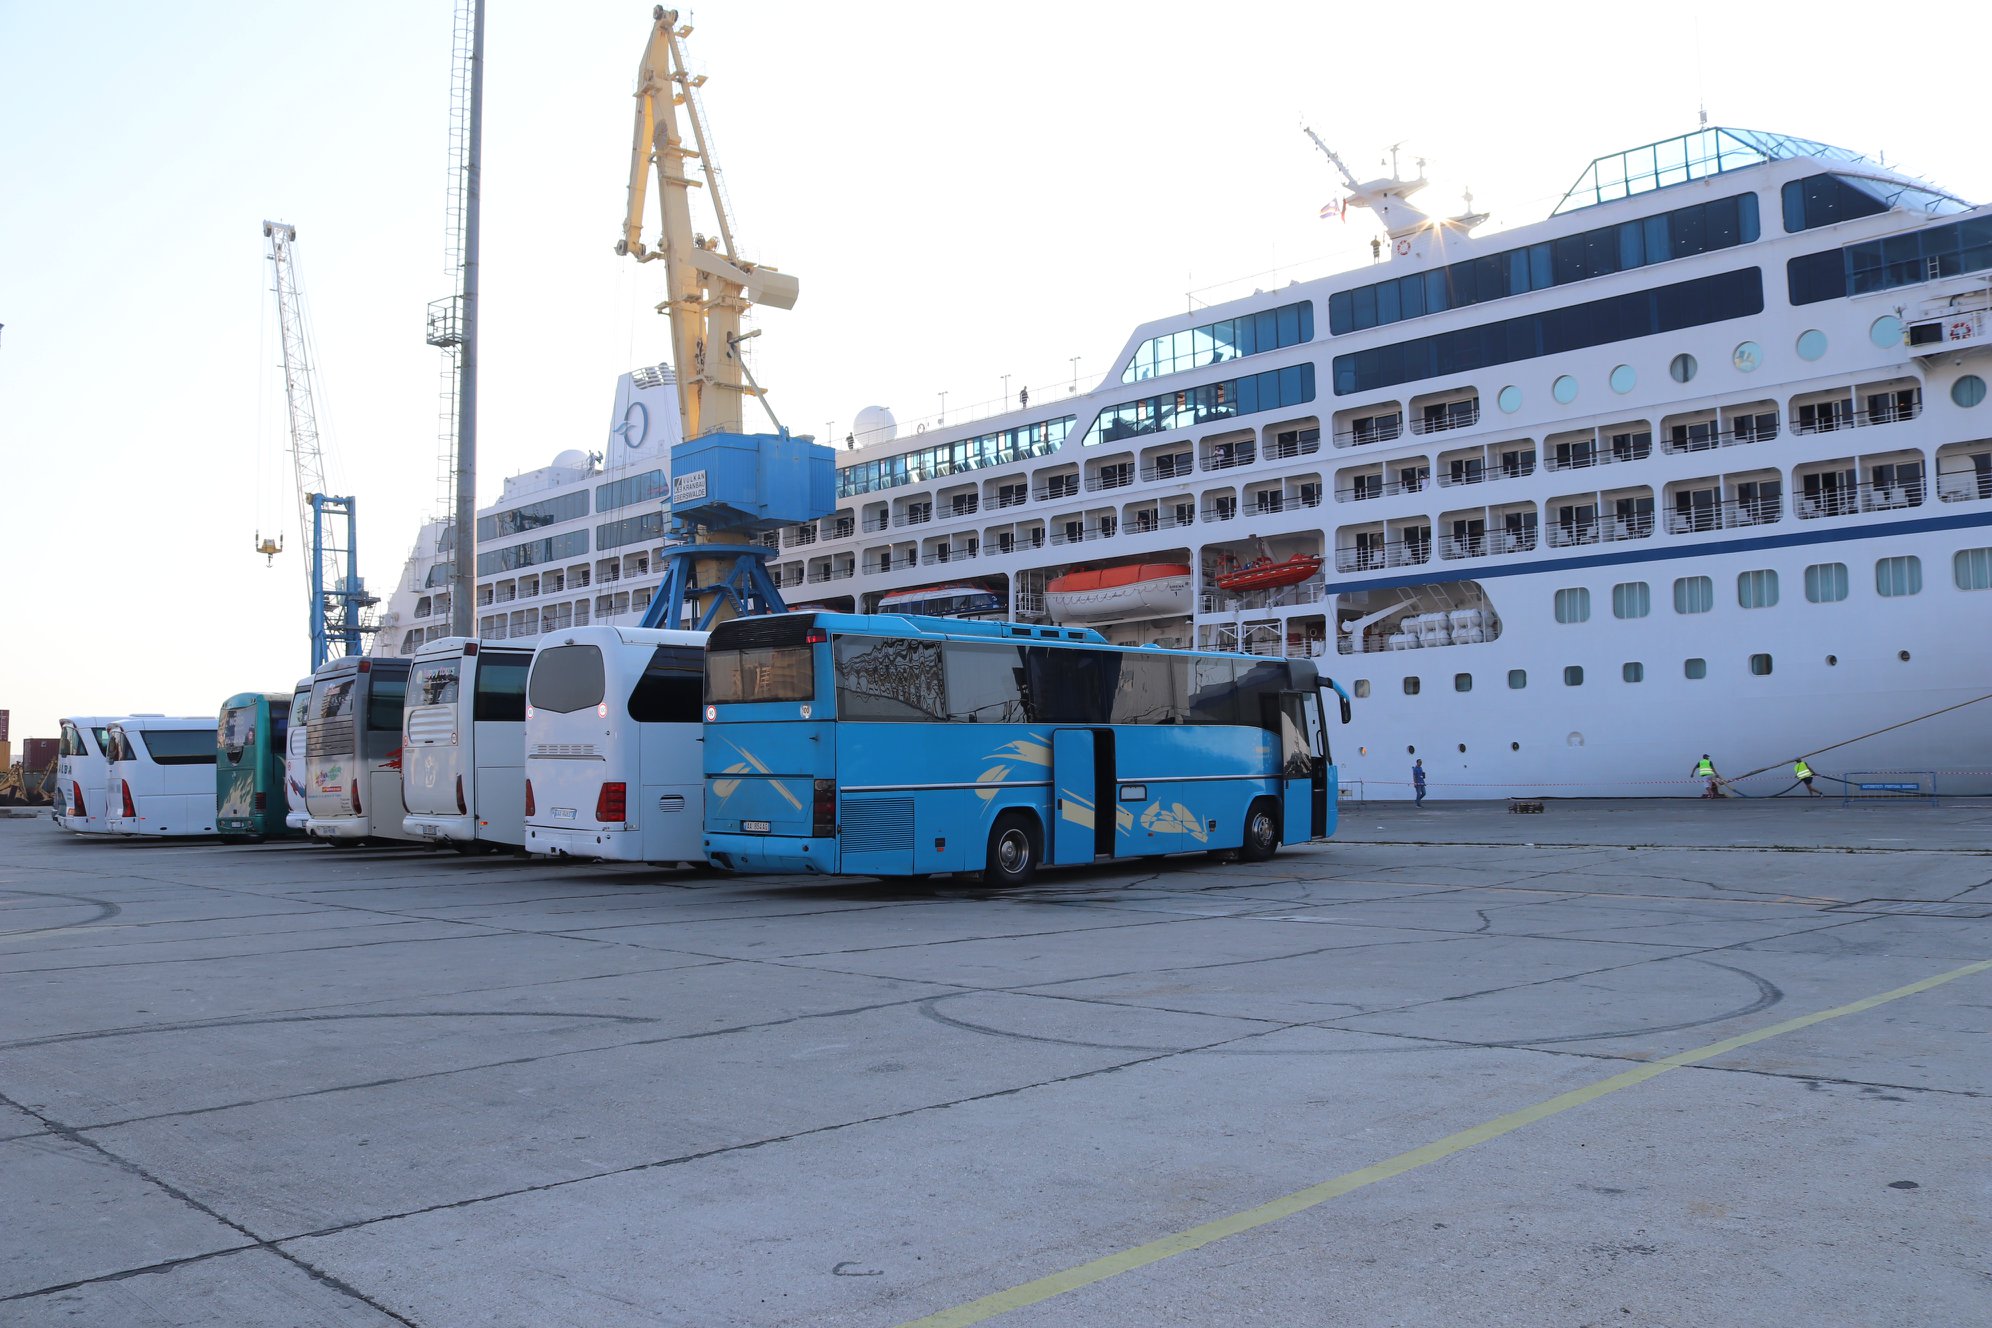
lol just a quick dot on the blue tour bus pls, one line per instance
(891, 745)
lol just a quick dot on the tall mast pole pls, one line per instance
(463, 579)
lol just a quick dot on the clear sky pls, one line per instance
(964, 192)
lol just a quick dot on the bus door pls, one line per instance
(1303, 767)
(1082, 791)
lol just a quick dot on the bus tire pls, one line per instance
(1262, 831)
(1013, 851)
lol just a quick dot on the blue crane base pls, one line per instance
(746, 586)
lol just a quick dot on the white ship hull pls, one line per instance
(1504, 538)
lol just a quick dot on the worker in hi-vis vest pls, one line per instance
(1705, 769)
(1803, 774)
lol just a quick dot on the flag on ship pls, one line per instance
(1333, 209)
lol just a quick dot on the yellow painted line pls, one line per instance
(1182, 1242)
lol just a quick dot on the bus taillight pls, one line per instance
(261, 802)
(356, 787)
(76, 804)
(463, 808)
(823, 809)
(612, 803)
(130, 811)
(529, 798)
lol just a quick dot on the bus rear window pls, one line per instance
(435, 683)
(72, 740)
(565, 679)
(769, 673)
(180, 746)
(238, 727)
(333, 700)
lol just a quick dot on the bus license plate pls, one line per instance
(755, 827)
(431, 830)
(563, 813)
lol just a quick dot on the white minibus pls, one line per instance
(613, 727)
(463, 744)
(162, 775)
(352, 751)
(294, 740)
(84, 774)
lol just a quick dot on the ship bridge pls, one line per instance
(1713, 150)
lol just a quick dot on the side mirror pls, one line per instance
(1345, 710)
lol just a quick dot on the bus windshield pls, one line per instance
(566, 678)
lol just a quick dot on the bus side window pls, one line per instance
(384, 700)
(498, 690)
(672, 687)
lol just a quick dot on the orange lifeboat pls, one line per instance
(1268, 575)
(1131, 590)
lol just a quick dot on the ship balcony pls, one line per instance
(1116, 476)
(1230, 456)
(1290, 443)
(918, 515)
(1382, 554)
(1363, 487)
(1170, 466)
(1444, 416)
(796, 537)
(1363, 430)
(1729, 514)
(1705, 435)
(1584, 451)
(1057, 487)
(1490, 543)
(947, 553)
(1601, 530)
(1141, 520)
(1831, 413)
(1867, 496)
(872, 524)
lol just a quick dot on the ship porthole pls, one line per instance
(1811, 345)
(1902, 655)
(1564, 389)
(1682, 368)
(1411, 750)
(1514, 746)
(1462, 748)
(1575, 739)
(1832, 659)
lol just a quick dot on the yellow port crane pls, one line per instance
(709, 285)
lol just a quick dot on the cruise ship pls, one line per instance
(1700, 464)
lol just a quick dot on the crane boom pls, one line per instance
(338, 597)
(709, 287)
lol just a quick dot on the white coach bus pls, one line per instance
(613, 731)
(463, 744)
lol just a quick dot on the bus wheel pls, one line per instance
(1262, 832)
(1013, 851)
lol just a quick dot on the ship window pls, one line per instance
(1633, 671)
(1695, 668)
(1826, 583)
(1573, 675)
(1972, 569)
(1685, 304)
(1899, 576)
(1517, 679)
(1462, 682)
(1968, 390)
(1757, 590)
(1573, 605)
(1631, 599)
(1760, 666)
(1362, 688)
(1693, 594)
(1411, 686)
(1682, 368)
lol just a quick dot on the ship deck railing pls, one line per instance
(1599, 456)
(1487, 475)
(1489, 544)
(1852, 500)
(1385, 488)
(1726, 515)
(1704, 437)
(1603, 530)
(1964, 486)
(1376, 557)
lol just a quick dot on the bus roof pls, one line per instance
(248, 698)
(332, 668)
(143, 723)
(444, 647)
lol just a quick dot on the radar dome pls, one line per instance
(874, 425)
(572, 459)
